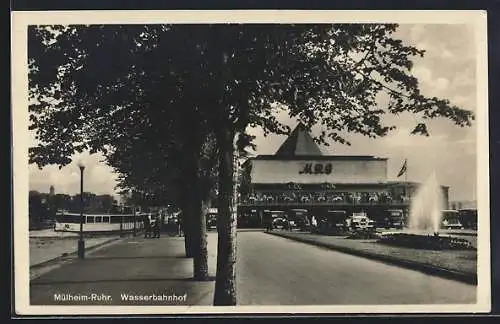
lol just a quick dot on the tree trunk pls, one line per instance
(199, 239)
(195, 229)
(187, 229)
(225, 284)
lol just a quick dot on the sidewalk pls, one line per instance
(49, 232)
(46, 249)
(134, 266)
(457, 265)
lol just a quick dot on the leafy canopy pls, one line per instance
(119, 88)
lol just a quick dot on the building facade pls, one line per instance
(300, 180)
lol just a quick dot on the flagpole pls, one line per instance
(406, 177)
(407, 194)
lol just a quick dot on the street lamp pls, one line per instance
(235, 178)
(131, 195)
(81, 242)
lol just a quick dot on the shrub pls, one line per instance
(428, 242)
(363, 234)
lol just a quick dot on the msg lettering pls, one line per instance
(318, 168)
(307, 169)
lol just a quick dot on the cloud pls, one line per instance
(451, 41)
(402, 138)
(449, 64)
(447, 54)
(448, 70)
(441, 84)
(423, 73)
(98, 177)
(416, 31)
(429, 83)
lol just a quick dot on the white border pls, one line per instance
(20, 21)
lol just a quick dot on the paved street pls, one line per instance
(134, 266)
(276, 271)
(271, 271)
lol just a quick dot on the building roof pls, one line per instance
(299, 143)
(301, 146)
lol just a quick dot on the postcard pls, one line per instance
(257, 161)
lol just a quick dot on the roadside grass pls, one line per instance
(464, 261)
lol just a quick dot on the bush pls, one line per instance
(363, 234)
(428, 242)
(332, 230)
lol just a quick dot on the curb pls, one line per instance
(60, 257)
(464, 277)
(87, 234)
(461, 234)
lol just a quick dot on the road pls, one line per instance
(276, 271)
(271, 270)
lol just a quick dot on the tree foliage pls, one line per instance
(143, 93)
(92, 85)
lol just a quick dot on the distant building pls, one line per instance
(51, 191)
(300, 179)
(464, 204)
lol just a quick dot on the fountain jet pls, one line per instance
(426, 207)
(424, 222)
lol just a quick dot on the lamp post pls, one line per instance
(134, 211)
(81, 242)
(235, 179)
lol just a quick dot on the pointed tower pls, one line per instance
(299, 143)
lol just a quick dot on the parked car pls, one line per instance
(468, 218)
(280, 223)
(212, 218)
(360, 221)
(395, 219)
(298, 219)
(452, 224)
(304, 224)
(274, 219)
(451, 220)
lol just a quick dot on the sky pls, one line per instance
(448, 70)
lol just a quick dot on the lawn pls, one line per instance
(464, 261)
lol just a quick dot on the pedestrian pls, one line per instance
(147, 226)
(180, 225)
(288, 223)
(152, 225)
(314, 224)
(269, 224)
(157, 226)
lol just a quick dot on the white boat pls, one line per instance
(70, 222)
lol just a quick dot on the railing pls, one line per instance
(323, 203)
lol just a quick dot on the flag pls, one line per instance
(403, 169)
